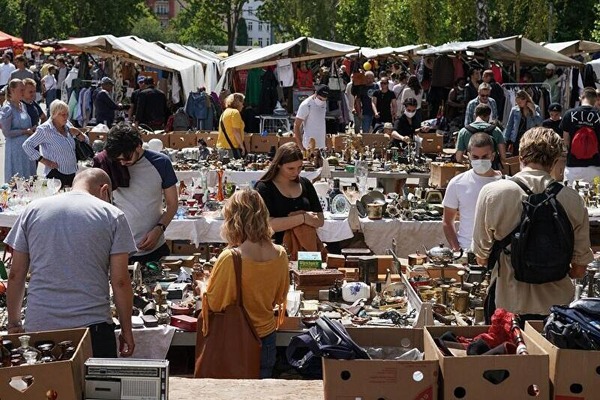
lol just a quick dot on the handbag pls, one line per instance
(335, 81)
(237, 153)
(83, 150)
(230, 347)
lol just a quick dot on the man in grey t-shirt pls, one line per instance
(69, 243)
(21, 72)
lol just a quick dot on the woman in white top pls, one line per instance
(49, 86)
(413, 90)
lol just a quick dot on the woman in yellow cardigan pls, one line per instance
(265, 276)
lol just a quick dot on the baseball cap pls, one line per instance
(141, 78)
(551, 66)
(106, 81)
(323, 91)
(555, 107)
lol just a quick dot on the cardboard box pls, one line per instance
(375, 141)
(182, 140)
(441, 173)
(185, 247)
(464, 377)
(382, 379)
(285, 139)
(336, 261)
(309, 260)
(96, 136)
(432, 143)
(66, 378)
(262, 144)
(160, 136)
(574, 374)
(512, 166)
(339, 142)
(209, 137)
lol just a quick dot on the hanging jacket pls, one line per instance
(268, 93)
(197, 105)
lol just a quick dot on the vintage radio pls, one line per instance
(126, 379)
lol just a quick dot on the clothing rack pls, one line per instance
(513, 87)
(508, 86)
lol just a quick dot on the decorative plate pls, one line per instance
(340, 205)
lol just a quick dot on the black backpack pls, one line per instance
(542, 244)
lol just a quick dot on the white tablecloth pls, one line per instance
(151, 343)
(237, 177)
(410, 235)
(208, 230)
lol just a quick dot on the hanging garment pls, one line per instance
(285, 72)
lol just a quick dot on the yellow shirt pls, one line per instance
(264, 286)
(232, 119)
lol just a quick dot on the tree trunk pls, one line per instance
(483, 31)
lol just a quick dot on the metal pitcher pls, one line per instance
(442, 255)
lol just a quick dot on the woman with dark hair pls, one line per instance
(16, 127)
(405, 126)
(524, 116)
(265, 275)
(291, 199)
(413, 90)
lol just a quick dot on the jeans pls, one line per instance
(267, 355)
(104, 343)
(367, 121)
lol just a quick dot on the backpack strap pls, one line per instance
(554, 188)
(522, 186)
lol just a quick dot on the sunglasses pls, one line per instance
(484, 95)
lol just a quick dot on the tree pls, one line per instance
(242, 33)
(351, 23)
(210, 22)
(150, 29)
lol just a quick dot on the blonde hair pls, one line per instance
(12, 85)
(234, 100)
(57, 106)
(246, 218)
(29, 82)
(540, 146)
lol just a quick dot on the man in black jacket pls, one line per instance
(151, 107)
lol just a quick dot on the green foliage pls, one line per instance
(150, 29)
(351, 24)
(242, 33)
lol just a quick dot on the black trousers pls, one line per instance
(104, 343)
(154, 256)
(65, 180)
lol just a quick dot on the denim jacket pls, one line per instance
(512, 126)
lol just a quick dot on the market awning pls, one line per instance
(133, 49)
(573, 47)
(300, 49)
(7, 40)
(390, 51)
(211, 62)
(513, 48)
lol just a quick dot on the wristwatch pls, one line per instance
(162, 226)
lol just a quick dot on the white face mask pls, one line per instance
(319, 102)
(481, 166)
(410, 114)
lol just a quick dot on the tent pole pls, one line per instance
(518, 43)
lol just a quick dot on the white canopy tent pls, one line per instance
(133, 49)
(409, 51)
(308, 49)
(514, 48)
(211, 62)
(573, 47)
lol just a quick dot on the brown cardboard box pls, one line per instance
(185, 247)
(178, 140)
(262, 144)
(375, 141)
(328, 142)
(339, 142)
(209, 137)
(511, 166)
(64, 377)
(382, 379)
(441, 173)
(574, 374)
(463, 377)
(384, 263)
(285, 139)
(96, 136)
(161, 136)
(432, 143)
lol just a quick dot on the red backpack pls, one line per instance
(584, 144)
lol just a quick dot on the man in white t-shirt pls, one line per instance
(310, 119)
(463, 190)
(6, 68)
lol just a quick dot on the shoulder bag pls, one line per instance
(237, 153)
(230, 347)
(83, 150)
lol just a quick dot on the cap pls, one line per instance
(388, 125)
(106, 81)
(551, 66)
(555, 107)
(141, 78)
(323, 91)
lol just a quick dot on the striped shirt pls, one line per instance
(53, 146)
